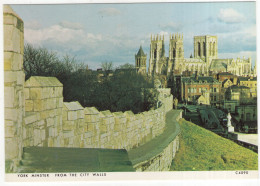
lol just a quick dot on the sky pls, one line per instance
(97, 33)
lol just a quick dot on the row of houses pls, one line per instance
(234, 94)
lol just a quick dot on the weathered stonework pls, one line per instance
(35, 114)
(13, 87)
(43, 108)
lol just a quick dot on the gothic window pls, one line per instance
(214, 49)
(204, 49)
(155, 54)
(180, 52)
(174, 53)
(198, 49)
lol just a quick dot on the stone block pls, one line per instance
(39, 105)
(57, 92)
(130, 116)
(68, 125)
(52, 113)
(103, 128)
(44, 114)
(59, 102)
(26, 93)
(10, 77)
(91, 126)
(9, 94)
(36, 137)
(36, 93)
(59, 111)
(50, 142)
(50, 122)
(10, 20)
(10, 131)
(12, 61)
(20, 78)
(51, 132)
(45, 92)
(28, 105)
(21, 43)
(88, 135)
(91, 118)
(68, 134)
(11, 43)
(7, 62)
(72, 115)
(31, 118)
(51, 103)
(65, 115)
(80, 114)
(11, 148)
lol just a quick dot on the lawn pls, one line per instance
(203, 150)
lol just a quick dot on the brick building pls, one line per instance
(193, 87)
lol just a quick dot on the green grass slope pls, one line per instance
(203, 150)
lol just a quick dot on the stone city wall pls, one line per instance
(13, 87)
(161, 161)
(43, 112)
(166, 98)
(35, 114)
(50, 122)
(157, 154)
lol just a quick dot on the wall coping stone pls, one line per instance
(106, 113)
(8, 10)
(156, 146)
(91, 111)
(39, 81)
(73, 106)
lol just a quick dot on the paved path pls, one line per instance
(59, 159)
(159, 143)
(248, 138)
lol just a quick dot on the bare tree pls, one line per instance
(107, 66)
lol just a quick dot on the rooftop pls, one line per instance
(140, 52)
(200, 79)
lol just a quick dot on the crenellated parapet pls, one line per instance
(35, 114)
(50, 122)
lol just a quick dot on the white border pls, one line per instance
(220, 175)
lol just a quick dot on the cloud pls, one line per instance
(229, 15)
(109, 12)
(90, 48)
(172, 26)
(71, 25)
(59, 34)
(33, 24)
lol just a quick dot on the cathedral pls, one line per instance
(204, 62)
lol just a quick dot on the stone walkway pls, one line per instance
(159, 143)
(59, 159)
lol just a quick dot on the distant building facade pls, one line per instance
(204, 62)
(194, 87)
(140, 61)
(250, 82)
